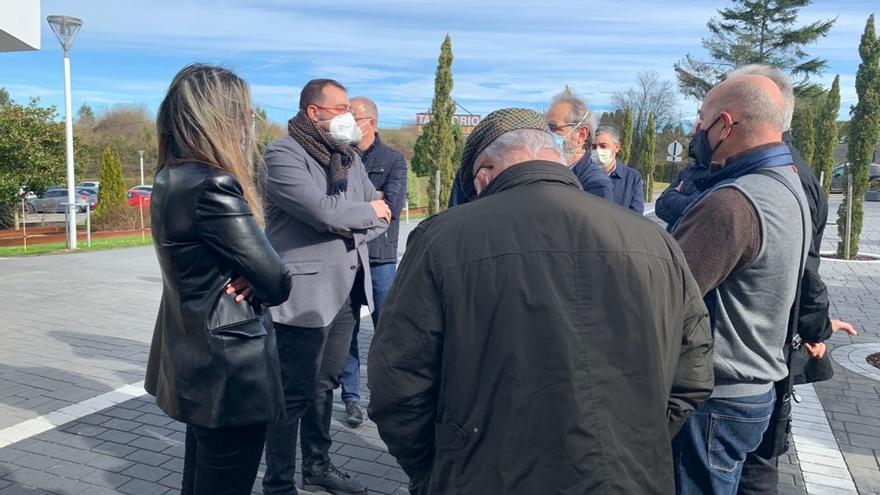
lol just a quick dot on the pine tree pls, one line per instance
(111, 195)
(4, 96)
(441, 140)
(754, 32)
(803, 131)
(826, 135)
(864, 132)
(626, 137)
(647, 159)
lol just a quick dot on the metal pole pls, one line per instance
(88, 225)
(849, 203)
(437, 191)
(24, 224)
(68, 136)
(822, 178)
(141, 208)
(141, 152)
(406, 206)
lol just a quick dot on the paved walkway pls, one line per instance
(76, 331)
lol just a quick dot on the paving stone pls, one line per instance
(117, 436)
(104, 478)
(148, 457)
(146, 473)
(114, 449)
(154, 444)
(359, 452)
(140, 487)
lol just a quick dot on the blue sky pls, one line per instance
(507, 52)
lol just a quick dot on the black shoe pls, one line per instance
(354, 413)
(335, 481)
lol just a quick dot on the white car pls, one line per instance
(90, 185)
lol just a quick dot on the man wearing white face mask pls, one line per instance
(321, 209)
(626, 180)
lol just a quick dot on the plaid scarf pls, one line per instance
(331, 154)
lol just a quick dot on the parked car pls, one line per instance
(140, 195)
(93, 196)
(53, 200)
(90, 184)
(838, 176)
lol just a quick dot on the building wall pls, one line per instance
(19, 25)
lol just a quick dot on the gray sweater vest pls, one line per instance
(753, 305)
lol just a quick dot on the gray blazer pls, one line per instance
(309, 229)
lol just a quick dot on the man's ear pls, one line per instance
(312, 113)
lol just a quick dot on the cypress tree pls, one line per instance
(626, 137)
(111, 195)
(864, 132)
(826, 135)
(441, 139)
(803, 131)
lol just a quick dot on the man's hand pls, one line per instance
(842, 326)
(815, 351)
(382, 210)
(241, 288)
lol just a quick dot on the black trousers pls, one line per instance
(759, 476)
(222, 461)
(312, 360)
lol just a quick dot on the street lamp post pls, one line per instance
(66, 28)
(141, 153)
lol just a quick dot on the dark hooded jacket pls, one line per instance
(539, 340)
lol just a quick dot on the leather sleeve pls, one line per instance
(694, 377)
(225, 223)
(404, 362)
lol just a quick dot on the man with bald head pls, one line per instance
(746, 240)
(386, 168)
(537, 340)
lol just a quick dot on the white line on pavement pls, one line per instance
(54, 419)
(819, 456)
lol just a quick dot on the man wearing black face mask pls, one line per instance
(745, 238)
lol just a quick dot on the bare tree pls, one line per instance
(651, 95)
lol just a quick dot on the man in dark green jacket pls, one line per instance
(537, 339)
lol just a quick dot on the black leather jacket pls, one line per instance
(213, 362)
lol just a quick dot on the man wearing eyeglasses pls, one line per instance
(321, 209)
(572, 124)
(386, 168)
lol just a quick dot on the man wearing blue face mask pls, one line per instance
(321, 209)
(572, 124)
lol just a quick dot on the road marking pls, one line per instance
(59, 417)
(819, 457)
(54, 419)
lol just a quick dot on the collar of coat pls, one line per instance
(530, 172)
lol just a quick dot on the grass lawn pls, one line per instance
(60, 247)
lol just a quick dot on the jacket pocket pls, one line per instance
(449, 436)
(231, 317)
(304, 267)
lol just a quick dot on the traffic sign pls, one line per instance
(675, 148)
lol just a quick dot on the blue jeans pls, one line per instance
(382, 275)
(709, 450)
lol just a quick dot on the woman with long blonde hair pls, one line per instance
(213, 361)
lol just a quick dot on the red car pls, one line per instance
(140, 195)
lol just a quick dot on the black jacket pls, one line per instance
(539, 340)
(814, 324)
(593, 179)
(213, 361)
(386, 168)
